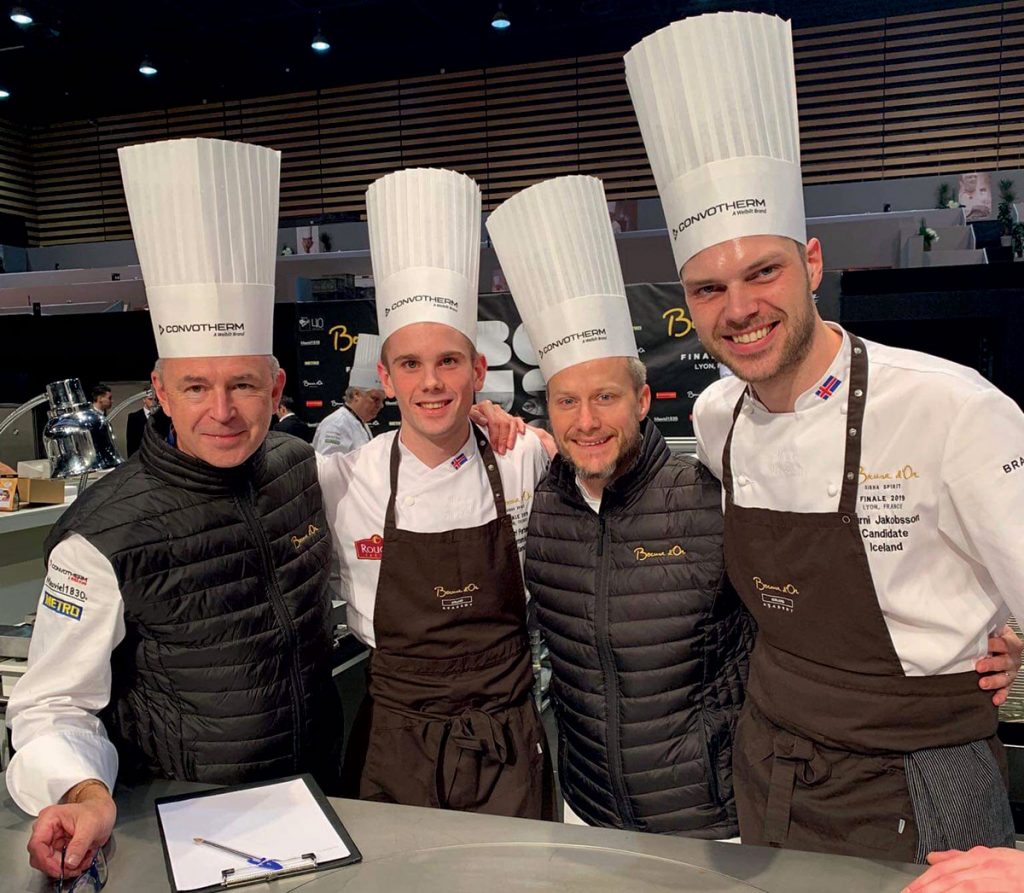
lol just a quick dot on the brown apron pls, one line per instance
(829, 716)
(450, 719)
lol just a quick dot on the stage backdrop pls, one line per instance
(678, 368)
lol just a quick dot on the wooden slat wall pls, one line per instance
(901, 96)
(17, 193)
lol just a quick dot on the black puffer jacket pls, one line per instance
(224, 674)
(648, 644)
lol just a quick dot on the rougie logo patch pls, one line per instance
(62, 607)
(371, 548)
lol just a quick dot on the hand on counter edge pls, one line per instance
(502, 428)
(998, 870)
(82, 821)
(999, 669)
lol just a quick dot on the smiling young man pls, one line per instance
(429, 525)
(624, 553)
(183, 629)
(872, 522)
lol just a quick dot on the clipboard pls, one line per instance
(234, 818)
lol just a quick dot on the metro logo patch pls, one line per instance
(62, 607)
(371, 548)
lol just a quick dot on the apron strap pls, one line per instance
(475, 731)
(856, 399)
(490, 467)
(727, 450)
(791, 753)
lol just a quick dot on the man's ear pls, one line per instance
(644, 403)
(479, 372)
(161, 394)
(815, 263)
(385, 379)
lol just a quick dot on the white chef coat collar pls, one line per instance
(830, 388)
(452, 465)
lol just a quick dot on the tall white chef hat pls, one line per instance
(425, 248)
(204, 217)
(363, 373)
(716, 99)
(556, 247)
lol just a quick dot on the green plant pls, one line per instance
(1017, 239)
(944, 197)
(928, 235)
(1006, 200)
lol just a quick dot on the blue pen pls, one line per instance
(258, 861)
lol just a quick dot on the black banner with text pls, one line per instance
(678, 368)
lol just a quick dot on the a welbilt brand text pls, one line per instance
(433, 300)
(219, 329)
(740, 206)
(584, 337)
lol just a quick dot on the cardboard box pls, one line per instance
(41, 491)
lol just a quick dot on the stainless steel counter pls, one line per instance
(431, 850)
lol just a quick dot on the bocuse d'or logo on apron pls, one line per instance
(777, 597)
(370, 549)
(453, 599)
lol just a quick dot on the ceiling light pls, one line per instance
(320, 43)
(4, 94)
(146, 67)
(500, 21)
(21, 16)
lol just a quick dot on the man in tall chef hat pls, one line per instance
(183, 629)
(872, 495)
(429, 525)
(624, 553)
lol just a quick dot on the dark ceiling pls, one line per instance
(80, 59)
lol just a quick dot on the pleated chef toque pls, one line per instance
(716, 99)
(557, 249)
(363, 373)
(425, 248)
(204, 216)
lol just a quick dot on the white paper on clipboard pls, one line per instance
(274, 821)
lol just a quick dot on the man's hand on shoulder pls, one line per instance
(82, 822)
(545, 438)
(1000, 668)
(999, 870)
(502, 428)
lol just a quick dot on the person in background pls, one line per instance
(287, 422)
(102, 398)
(348, 427)
(872, 494)
(136, 422)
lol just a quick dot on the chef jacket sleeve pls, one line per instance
(334, 437)
(333, 486)
(701, 453)
(53, 709)
(983, 490)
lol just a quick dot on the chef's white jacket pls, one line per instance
(941, 494)
(341, 432)
(455, 494)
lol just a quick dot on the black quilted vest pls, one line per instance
(224, 674)
(648, 644)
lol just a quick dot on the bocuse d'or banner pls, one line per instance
(678, 368)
